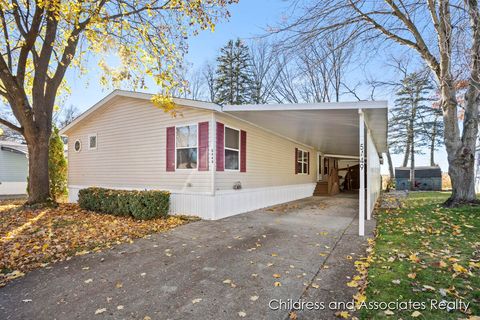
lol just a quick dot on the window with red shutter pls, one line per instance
(203, 146)
(243, 151)
(170, 149)
(220, 149)
(302, 161)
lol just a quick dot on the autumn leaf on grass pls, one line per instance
(389, 312)
(359, 298)
(413, 258)
(416, 314)
(396, 281)
(352, 284)
(342, 314)
(442, 264)
(412, 275)
(459, 268)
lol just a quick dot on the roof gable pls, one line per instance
(138, 95)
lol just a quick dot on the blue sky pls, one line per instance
(249, 18)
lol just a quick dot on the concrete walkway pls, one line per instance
(206, 270)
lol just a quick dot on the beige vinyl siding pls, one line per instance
(270, 159)
(131, 148)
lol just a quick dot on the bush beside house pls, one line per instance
(138, 204)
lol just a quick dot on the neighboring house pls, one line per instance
(218, 161)
(13, 168)
(426, 178)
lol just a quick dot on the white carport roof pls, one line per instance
(332, 128)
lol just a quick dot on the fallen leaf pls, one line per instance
(412, 275)
(254, 298)
(459, 268)
(277, 284)
(242, 314)
(99, 311)
(197, 300)
(389, 312)
(276, 275)
(416, 314)
(342, 314)
(120, 307)
(88, 281)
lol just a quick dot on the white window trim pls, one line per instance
(80, 141)
(198, 141)
(302, 162)
(225, 148)
(96, 141)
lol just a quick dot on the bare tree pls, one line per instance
(65, 116)
(286, 86)
(209, 78)
(265, 70)
(435, 30)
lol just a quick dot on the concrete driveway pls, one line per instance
(206, 270)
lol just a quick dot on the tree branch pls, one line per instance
(11, 125)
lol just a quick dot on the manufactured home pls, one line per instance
(219, 161)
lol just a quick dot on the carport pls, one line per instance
(345, 130)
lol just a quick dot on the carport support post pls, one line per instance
(361, 193)
(369, 170)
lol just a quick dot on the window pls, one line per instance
(77, 145)
(302, 161)
(92, 141)
(186, 147)
(232, 149)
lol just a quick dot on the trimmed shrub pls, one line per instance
(138, 204)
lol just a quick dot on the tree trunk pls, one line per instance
(432, 154)
(412, 166)
(432, 143)
(461, 152)
(38, 180)
(407, 153)
(390, 165)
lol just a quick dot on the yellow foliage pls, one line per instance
(31, 239)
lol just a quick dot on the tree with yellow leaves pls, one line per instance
(40, 40)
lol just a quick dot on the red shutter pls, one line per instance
(308, 162)
(220, 146)
(296, 160)
(243, 151)
(170, 158)
(203, 146)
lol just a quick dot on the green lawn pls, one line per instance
(424, 252)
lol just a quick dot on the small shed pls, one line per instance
(13, 168)
(426, 178)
